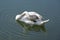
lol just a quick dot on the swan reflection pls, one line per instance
(36, 28)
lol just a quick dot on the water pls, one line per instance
(10, 30)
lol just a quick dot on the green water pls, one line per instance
(10, 30)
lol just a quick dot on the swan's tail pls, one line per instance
(44, 21)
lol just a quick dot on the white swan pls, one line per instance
(31, 18)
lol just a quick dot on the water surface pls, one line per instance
(10, 30)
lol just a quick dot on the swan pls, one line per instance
(32, 18)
